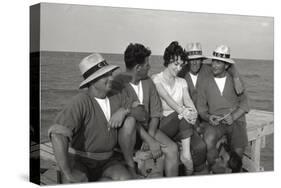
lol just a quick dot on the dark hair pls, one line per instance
(135, 54)
(235, 162)
(172, 51)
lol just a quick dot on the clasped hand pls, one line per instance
(189, 114)
(226, 119)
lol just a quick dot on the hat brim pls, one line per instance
(97, 74)
(197, 57)
(231, 61)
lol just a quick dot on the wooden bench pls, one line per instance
(259, 124)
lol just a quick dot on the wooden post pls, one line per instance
(255, 150)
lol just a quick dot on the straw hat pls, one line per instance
(222, 53)
(92, 67)
(194, 51)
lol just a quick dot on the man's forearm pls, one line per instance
(153, 126)
(60, 146)
(238, 113)
(144, 135)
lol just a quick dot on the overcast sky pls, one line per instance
(104, 29)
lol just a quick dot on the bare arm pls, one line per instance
(153, 145)
(238, 113)
(187, 100)
(153, 126)
(60, 146)
(144, 135)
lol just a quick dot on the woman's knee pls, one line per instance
(171, 149)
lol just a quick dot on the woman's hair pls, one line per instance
(135, 54)
(172, 51)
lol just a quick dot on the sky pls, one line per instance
(82, 28)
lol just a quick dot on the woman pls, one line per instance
(179, 112)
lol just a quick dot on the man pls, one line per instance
(221, 108)
(136, 84)
(88, 124)
(195, 72)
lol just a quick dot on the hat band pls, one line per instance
(194, 53)
(94, 69)
(216, 54)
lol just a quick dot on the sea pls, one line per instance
(60, 79)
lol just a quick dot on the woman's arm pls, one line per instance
(187, 100)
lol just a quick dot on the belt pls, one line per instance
(90, 155)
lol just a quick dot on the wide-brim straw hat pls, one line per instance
(92, 67)
(194, 51)
(222, 53)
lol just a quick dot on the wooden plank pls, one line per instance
(259, 124)
(49, 177)
(249, 165)
(258, 118)
(255, 152)
(47, 153)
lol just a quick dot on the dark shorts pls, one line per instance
(94, 169)
(236, 133)
(175, 128)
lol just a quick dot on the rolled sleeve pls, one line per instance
(155, 102)
(60, 129)
(69, 120)
(243, 102)
(201, 103)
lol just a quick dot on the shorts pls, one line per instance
(175, 128)
(94, 169)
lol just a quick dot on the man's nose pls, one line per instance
(214, 65)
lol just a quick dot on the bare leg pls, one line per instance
(171, 154)
(185, 156)
(127, 140)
